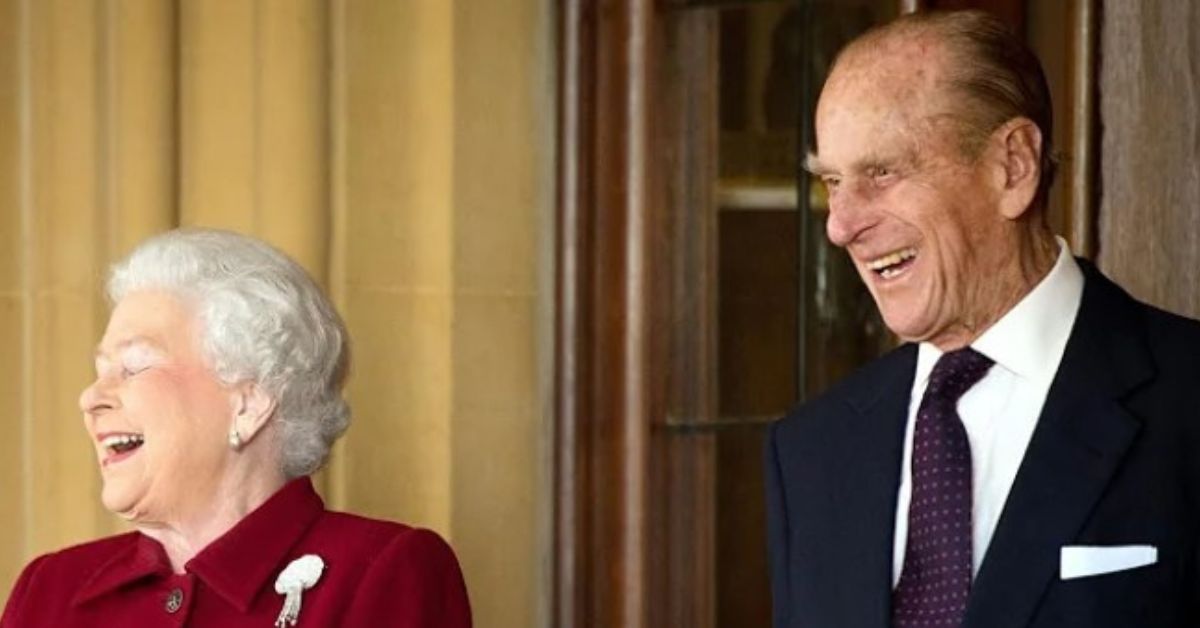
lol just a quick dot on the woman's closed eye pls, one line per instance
(130, 371)
(137, 359)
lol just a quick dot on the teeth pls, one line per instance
(122, 441)
(891, 259)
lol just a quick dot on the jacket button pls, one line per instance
(174, 600)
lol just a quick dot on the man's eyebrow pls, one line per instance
(873, 160)
(813, 165)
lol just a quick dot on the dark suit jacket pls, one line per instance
(377, 573)
(1114, 460)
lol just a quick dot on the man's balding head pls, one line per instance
(985, 73)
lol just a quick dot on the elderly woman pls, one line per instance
(218, 392)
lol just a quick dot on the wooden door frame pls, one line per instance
(635, 329)
(602, 397)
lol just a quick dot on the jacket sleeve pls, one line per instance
(15, 614)
(415, 582)
(777, 530)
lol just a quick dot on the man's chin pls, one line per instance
(906, 326)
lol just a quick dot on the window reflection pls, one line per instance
(793, 314)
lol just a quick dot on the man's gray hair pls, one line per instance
(264, 319)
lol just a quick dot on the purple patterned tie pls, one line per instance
(936, 577)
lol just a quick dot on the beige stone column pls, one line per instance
(254, 122)
(137, 122)
(293, 136)
(503, 168)
(219, 109)
(14, 409)
(394, 63)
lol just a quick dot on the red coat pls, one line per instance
(376, 573)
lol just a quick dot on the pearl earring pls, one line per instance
(235, 439)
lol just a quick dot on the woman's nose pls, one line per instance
(97, 397)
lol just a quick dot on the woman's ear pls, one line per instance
(1020, 158)
(253, 408)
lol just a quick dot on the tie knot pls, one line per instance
(956, 372)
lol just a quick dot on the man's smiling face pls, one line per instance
(917, 216)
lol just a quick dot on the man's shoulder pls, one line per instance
(859, 390)
(1174, 343)
(1171, 330)
(1172, 338)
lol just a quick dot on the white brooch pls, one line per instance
(299, 575)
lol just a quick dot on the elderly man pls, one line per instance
(1029, 456)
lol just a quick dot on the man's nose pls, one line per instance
(849, 216)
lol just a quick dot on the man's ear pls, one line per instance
(1018, 143)
(253, 408)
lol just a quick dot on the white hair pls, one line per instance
(264, 319)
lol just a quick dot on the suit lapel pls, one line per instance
(1081, 438)
(867, 455)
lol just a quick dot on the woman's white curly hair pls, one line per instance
(264, 319)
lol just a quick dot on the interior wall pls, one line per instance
(1149, 226)
(400, 150)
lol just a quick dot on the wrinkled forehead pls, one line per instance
(905, 71)
(905, 48)
(883, 88)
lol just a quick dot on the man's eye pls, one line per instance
(831, 182)
(880, 172)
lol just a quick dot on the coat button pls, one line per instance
(174, 600)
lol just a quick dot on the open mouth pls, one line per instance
(120, 446)
(893, 264)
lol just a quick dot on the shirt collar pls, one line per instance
(1030, 338)
(238, 564)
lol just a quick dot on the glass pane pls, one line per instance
(758, 307)
(793, 314)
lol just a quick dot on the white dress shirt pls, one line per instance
(1000, 412)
